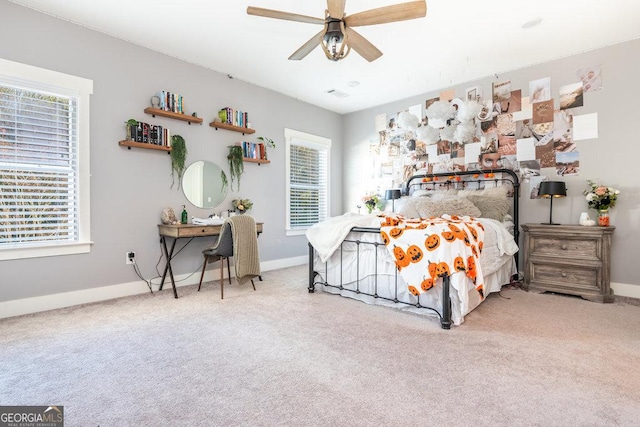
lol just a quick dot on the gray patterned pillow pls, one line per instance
(492, 207)
(460, 206)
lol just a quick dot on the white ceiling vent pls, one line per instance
(337, 93)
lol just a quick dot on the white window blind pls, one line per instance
(41, 176)
(308, 179)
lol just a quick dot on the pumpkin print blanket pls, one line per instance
(426, 250)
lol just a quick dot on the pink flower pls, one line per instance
(601, 191)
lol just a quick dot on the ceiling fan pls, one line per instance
(337, 38)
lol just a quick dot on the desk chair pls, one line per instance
(238, 239)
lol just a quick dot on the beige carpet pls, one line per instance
(282, 356)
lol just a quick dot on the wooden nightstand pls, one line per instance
(568, 259)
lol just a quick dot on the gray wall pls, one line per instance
(129, 188)
(611, 159)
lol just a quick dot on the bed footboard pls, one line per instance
(445, 316)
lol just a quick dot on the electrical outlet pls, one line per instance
(130, 257)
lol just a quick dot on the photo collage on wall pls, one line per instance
(504, 129)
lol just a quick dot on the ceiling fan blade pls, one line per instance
(393, 13)
(276, 14)
(361, 45)
(306, 48)
(336, 8)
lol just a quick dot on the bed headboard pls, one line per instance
(470, 180)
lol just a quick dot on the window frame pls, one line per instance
(39, 79)
(304, 139)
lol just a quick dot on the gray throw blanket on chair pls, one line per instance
(246, 259)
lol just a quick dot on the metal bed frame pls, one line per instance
(435, 182)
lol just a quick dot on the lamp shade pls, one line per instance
(552, 189)
(392, 194)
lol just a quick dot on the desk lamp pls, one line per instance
(549, 190)
(392, 195)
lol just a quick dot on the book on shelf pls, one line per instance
(170, 101)
(252, 150)
(233, 117)
(149, 134)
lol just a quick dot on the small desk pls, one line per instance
(181, 231)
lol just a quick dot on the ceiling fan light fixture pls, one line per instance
(334, 42)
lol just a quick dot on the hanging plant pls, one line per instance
(225, 182)
(236, 164)
(178, 157)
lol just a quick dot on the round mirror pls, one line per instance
(204, 184)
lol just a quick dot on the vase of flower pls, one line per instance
(241, 206)
(373, 202)
(603, 217)
(601, 198)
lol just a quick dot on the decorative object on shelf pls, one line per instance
(155, 101)
(550, 190)
(392, 195)
(194, 114)
(601, 198)
(178, 158)
(168, 216)
(241, 205)
(373, 201)
(236, 164)
(132, 124)
(586, 220)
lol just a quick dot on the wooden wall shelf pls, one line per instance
(170, 114)
(258, 161)
(227, 126)
(148, 146)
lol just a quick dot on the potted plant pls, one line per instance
(178, 157)
(241, 205)
(131, 125)
(236, 164)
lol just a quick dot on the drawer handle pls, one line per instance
(564, 247)
(563, 274)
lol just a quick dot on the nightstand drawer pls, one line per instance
(566, 247)
(560, 275)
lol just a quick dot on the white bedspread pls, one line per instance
(326, 236)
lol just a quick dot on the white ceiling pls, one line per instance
(458, 41)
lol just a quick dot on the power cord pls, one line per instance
(149, 282)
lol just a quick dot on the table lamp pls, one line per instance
(549, 190)
(392, 195)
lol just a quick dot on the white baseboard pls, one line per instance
(626, 290)
(68, 299)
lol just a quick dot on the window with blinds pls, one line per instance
(40, 176)
(307, 181)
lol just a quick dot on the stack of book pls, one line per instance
(150, 134)
(252, 150)
(234, 117)
(170, 101)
